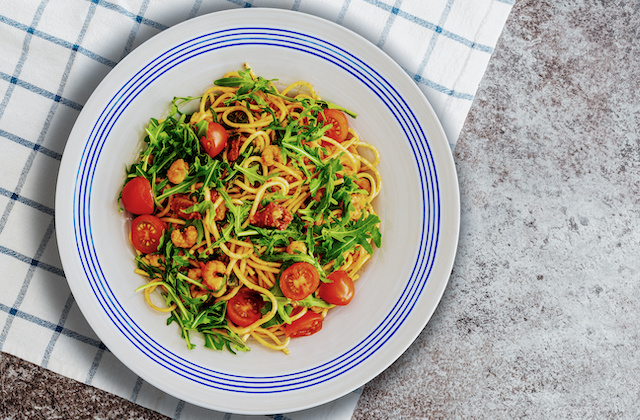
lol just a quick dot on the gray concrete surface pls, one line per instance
(541, 316)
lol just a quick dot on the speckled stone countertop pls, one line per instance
(541, 316)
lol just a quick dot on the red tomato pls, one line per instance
(146, 232)
(309, 323)
(215, 140)
(340, 291)
(299, 280)
(137, 196)
(273, 215)
(340, 125)
(244, 308)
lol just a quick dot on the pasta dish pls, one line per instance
(252, 215)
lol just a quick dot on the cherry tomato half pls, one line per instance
(299, 280)
(146, 232)
(340, 291)
(309, 323)
(137, 196)
(216, 139)
(340, 125)
(244, 308)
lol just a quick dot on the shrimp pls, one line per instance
(213, 274)
(221, 210)
(154, 260)
(359, 202)
(271, 154)
(185, 239)
(178, 171)
(364, 184)
(297, 247)
(196, 292)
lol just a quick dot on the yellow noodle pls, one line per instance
(147, 298)
(276, 345)
(173, 220)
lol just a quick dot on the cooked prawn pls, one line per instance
(273, 215)
(154, 260)
(364, 184)
(213, 274)
(297, 247)
(359, 202)
(271, 154)
(186, 238)
(178, 171)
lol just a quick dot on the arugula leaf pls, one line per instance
(284, 309)
(252, 173)
(310, 301)
(178, 189)
(326, 178)
(272, 238)
(338, 239)
(238, 213)
(218, 341)
(178, 102)
(246, 83)
(201, 128)
(200, 207)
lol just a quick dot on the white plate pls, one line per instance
(419, 207)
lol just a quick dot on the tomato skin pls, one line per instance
(146, 232)
(338, 119)
(137, 196)
(299, 280)
(216, 139)
(273, 215)
(244, 308)
(310, 323)
(340, 291)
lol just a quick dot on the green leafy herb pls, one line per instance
(252, 173)
(338, 238)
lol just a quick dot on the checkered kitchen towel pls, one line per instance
(53, 53)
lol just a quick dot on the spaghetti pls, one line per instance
(253, 214)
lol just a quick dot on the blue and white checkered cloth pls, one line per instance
(55, 52)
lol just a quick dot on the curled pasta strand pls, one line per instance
(299, 84)
(275, 343)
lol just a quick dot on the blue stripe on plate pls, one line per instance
(281, 39)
